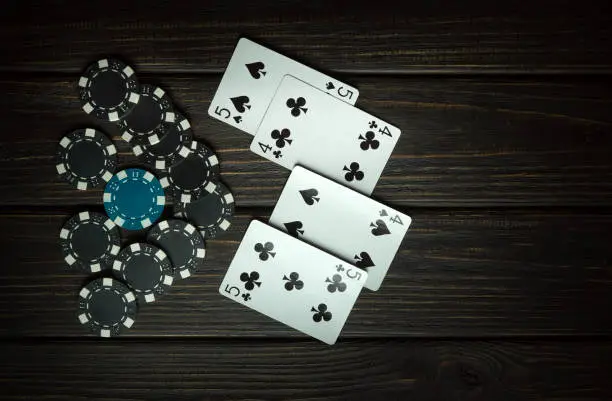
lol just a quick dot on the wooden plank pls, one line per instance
(460, 273)
(466, 142)
(356, 370)
(417, 37)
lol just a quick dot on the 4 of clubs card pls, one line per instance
(251, 79)
(306, 126)
(342, 222)
(292, 282)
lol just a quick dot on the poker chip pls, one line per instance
(193, 176)
(86, 158)
(173, 147)
(150, 119)
(211, 213)
(90, 241)
(106, 307)
(182, 243)
(109, 89)
(146, 269)
(134, 199)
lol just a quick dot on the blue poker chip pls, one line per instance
(134, 199)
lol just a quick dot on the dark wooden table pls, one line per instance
(503, 287)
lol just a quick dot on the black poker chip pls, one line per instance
(107, 307)
(150, 120)
(188, 179)
(173, 147)
(86, 158)
(182, 243)
(146, 269)
(90, 242)
(109, 89)
(211, 213)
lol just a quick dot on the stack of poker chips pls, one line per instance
(176, 166)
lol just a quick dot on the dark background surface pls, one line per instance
(503, 287)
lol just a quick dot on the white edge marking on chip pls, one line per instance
(161, 200)
(160, 164)
(153, 139)
(170, 117)
(84, 216)
(213, 160)
(109, 224)
(83, 82)
(128, 71)
(126, 136)
(145, 222)
(84, 293)
(168, 280)
(103, 63)
(117, 265)
(82, 185)
(61, 169)
(185, 124)
(148, 176)
(164, 225)
(83, 318)
(119, 221)
(64, 233)
(113, 116)
(159, 92)
(96, 268)
(107, 197)
(107, 176)
(185, 273)
(184, 152)
(130, 297)
(105, 333)
(229, 198)
(189, 228)
(115, 250)
(210, 187)
(90, 132)
(200, 253)
(88, 108)
(107, 282)
(149, 298)
(122, 175)
(164, 182)
(65, 142)
(111, 149)
(160, 255)
(128, 322)
(224, 225)
(137, 150)
(134, 98)
(185, 198)
(135, 247)
(70, 259)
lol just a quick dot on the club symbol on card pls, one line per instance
(265, 250)
(309, 196)
(353, 172)
(246, 296)
(281, 137)
(293, 228)
(380, 228)
(363, 260)
(373, 124)
(335, 284)
(339, 268)
(256, 69)
(241, 103)
(297, 106)
(250, 280)
(293, 281)
(321, 313)
(238, 119)
(330, 85)
(368, 142)
(277, 154)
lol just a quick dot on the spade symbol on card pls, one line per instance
(330, 85)
(363, 260)
(256, 69)
(241, 103)
(380, 228)
(293, 228)
(309, 196)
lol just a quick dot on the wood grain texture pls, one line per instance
(274, 370)
(465, 142)
(390, 37)
(466, 273)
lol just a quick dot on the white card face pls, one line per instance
(342, 222)
(251, 79)
(305, 126)
(292, 282)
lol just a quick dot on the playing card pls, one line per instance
(342, 222)
(251, 79)
(305, 126)
(292, 282)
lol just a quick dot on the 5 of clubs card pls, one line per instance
(292, 282)
(251, 79)
(306, 126)
(342, 222)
